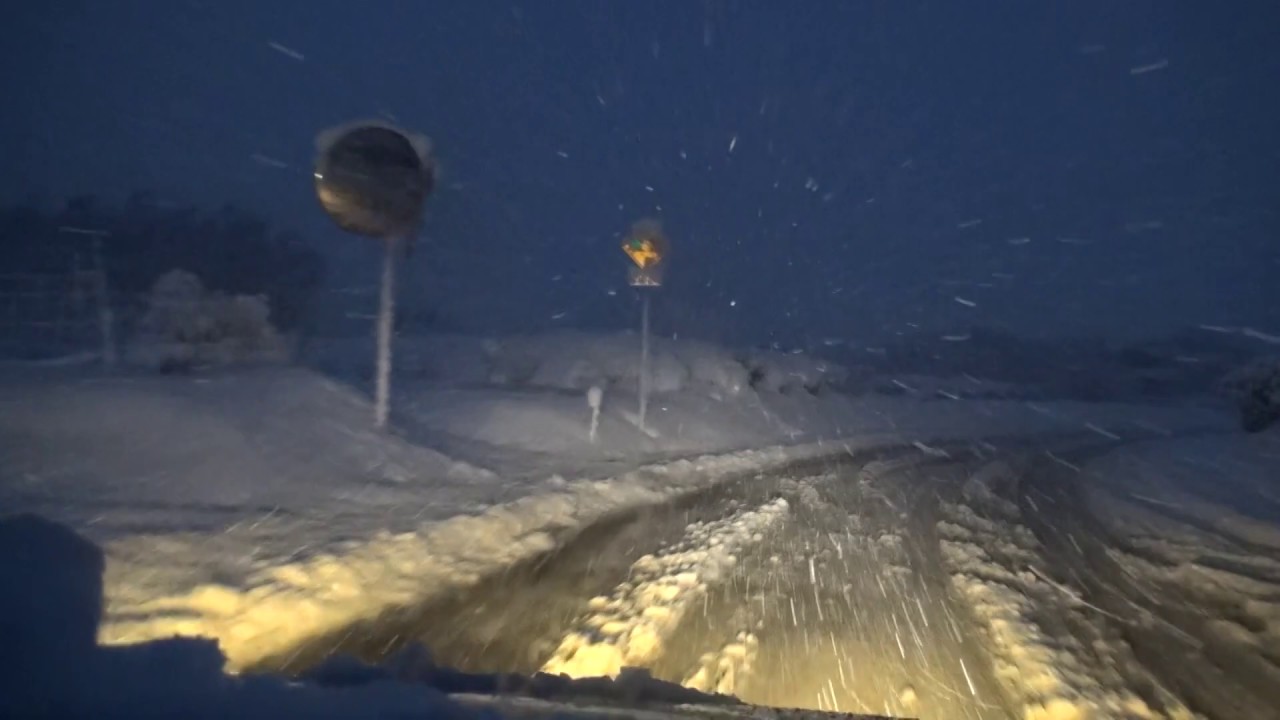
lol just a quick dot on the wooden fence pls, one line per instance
(51, 315)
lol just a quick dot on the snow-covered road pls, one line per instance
(967, 585)
(817, 587)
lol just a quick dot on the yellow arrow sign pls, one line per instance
(642, 252)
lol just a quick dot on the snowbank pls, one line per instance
(574, 361)
(1148, 586)
(54, 666)
(678, 424)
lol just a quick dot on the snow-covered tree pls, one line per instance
(186, 325)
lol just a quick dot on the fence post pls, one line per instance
(106, 318)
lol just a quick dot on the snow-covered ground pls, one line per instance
(258, 507)
(1195, 542)
(1141, 583)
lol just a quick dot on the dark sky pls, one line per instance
(825, 169)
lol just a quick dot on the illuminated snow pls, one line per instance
(629, 628)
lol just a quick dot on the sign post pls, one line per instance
(646, 245)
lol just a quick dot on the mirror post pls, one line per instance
(373, 179)
(386, 329)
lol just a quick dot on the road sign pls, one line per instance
(643, 251)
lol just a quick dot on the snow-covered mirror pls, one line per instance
(373, 179)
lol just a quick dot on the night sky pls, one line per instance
(846, 170)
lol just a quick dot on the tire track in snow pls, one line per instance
(848, 602)
(631, 627)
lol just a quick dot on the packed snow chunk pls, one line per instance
(723, 672)
(187, 326)
(633, 627)
(778, 372)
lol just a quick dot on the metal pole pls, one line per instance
(386, 326)
(644, 358)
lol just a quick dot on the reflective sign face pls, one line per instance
(642, 251)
